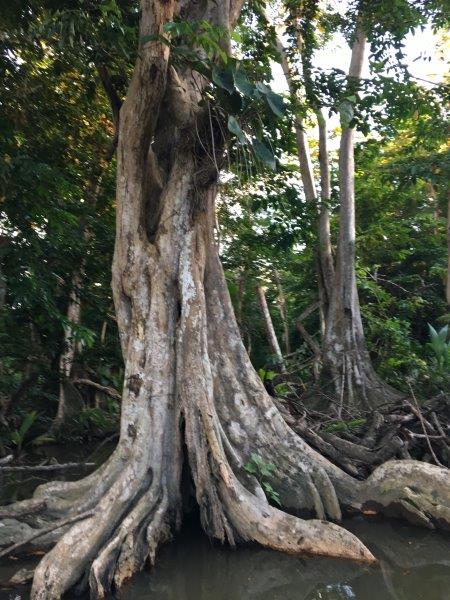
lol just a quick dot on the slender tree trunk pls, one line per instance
(188, 381)
(66, 360)
(325, 250)
(4, 241)
(270, 330)
(447, 284)
(325, 265)
(346, 359)
(283, 312)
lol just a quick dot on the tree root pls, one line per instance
(418, 492)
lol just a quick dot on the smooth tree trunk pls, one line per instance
(66, 360)
(447, 283)
(325, 250)
(281, 301)
(325, 265)
(346, 359)
(190, 390)
(268, 325)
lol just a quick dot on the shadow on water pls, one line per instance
(414, 565)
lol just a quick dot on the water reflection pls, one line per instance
(414, 565)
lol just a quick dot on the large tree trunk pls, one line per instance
(189, 386)
(346, 359)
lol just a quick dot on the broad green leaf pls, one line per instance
(235, 128)
(242, 83)
(264, 154)
(346, 113)
(262, 87)
(276, 103)
(27, 423)
(223, 78)
(154, 37)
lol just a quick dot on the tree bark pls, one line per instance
(268, 324)
(325, 249)
(325, 266)
(281, 301)
(189, 382)
(346, 359)
(447, 284)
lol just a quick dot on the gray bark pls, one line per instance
(281, 301)
(325, 267)
(268, 324)
(346, 359)
(447, 285)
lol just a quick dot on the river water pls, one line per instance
(414, 565)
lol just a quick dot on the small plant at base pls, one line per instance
(262, 471)
(440, 346)
(18, 436)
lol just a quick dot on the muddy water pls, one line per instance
(414, 565)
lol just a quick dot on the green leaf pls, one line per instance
(231, 104)
(276, 103)
(433, 332)
(251, 468)
(235, 128)
(27, 423)
(223, 78)
(154, 37)
(443, 333)
(185, 52)
(346, 113)
(243, 84)
(264, 154)
(263, 88)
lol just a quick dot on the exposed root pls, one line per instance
(137, 538)
(418, 492)
(41, 532)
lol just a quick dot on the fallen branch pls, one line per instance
(422, 422)
(41, 532)
(109, 391)
(56, 467)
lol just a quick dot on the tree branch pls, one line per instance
(110, 91)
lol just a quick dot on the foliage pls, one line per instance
(18, 436)
(263, 471)
(440, 345)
